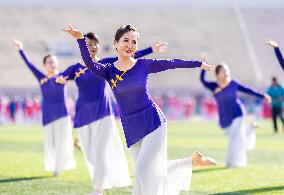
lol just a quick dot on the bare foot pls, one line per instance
(199, 160)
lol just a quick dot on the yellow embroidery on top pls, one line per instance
(118, 78)
(81, 71)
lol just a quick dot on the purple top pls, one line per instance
(53, 94)
(92, 103)
(279, 56)
(139, 114)
(229, 105)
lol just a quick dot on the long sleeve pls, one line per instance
(279, 56)
(138, 54)
(38, 74)
(143, 52)
(154, 65)
(99, 69)
(209, 85)
(248, 90)
(70, 72)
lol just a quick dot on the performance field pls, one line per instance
(22, 156)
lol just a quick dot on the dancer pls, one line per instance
(277, 51)
(143, 122)
(95, 122)
(58, 146)
(232, 113)
(276, 92)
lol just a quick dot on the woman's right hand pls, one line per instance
(76, 33)
(18, 44)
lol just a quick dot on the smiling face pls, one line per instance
(50, 63)
(127, 45)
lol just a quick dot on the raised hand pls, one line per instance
(207, 67)
(61, 79)
(159, 47)
(18, 44)
(76, 33)
(272, 43)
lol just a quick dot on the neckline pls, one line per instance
(222, 88)
(51, 76)
(126, 70)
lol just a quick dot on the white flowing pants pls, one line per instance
(154, 174)
(104, 154)
(59, 146)
(241, 137)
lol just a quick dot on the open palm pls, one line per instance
(207, 67)
(76, 33)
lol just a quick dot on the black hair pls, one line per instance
(45, 57)
(93, 37)
(274, 79)
(124, 29)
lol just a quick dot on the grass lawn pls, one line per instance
(22, 171)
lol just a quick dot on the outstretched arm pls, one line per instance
(70, 72)
(250, 91)
(209, 85)
(19, 46)
(158, 47)
(154, 65)
(97, 68)
(279, 56)
(277, 51)
(143, 52)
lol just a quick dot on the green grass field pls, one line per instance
(22, 171)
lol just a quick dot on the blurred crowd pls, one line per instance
(27, 109)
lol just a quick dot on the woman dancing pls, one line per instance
(231, 114)
(144, 124)
(58, 146)
(95, 122)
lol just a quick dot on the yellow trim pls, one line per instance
(118, 78)
(78, 73)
